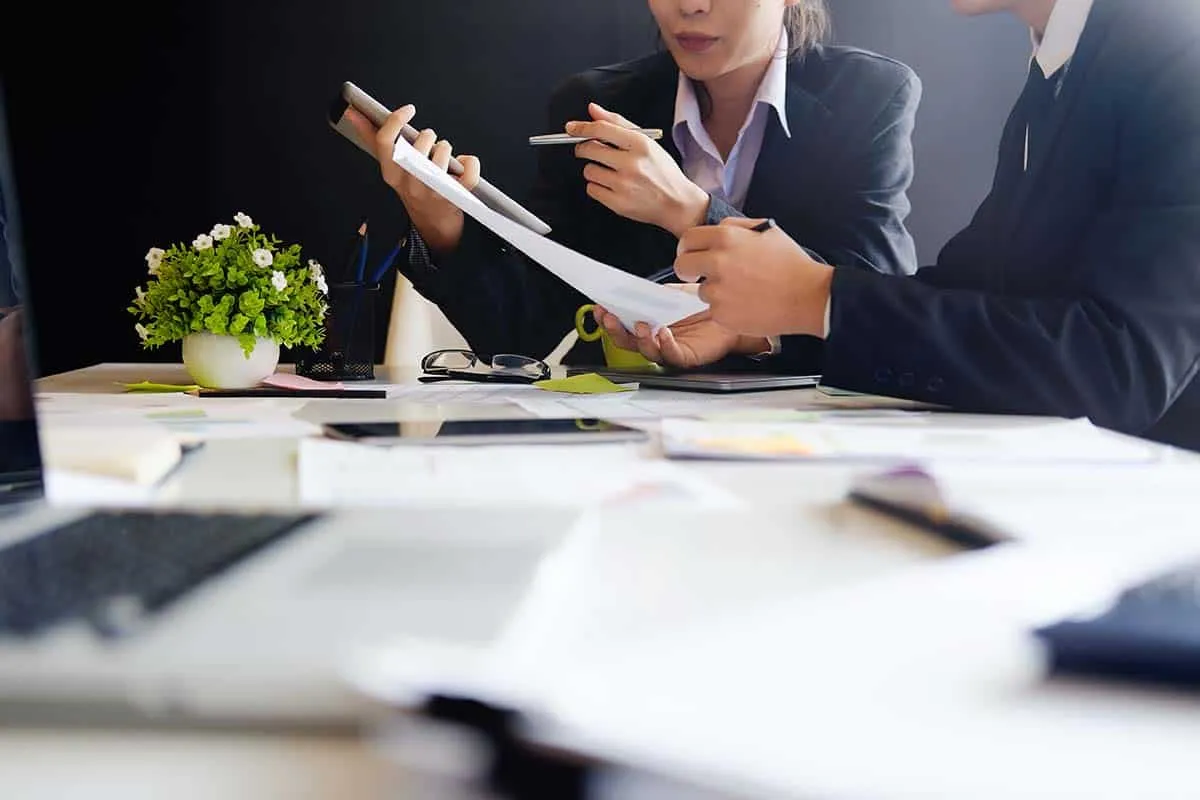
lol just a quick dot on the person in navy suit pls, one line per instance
(1075, 289)
(759, 118)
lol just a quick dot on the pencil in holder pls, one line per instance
(348, 352)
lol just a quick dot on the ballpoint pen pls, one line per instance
(564, 138)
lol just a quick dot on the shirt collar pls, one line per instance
(772, 92)
(1063, 32)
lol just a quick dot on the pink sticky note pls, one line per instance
(282, 380)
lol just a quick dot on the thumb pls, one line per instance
(741, 222)
(602, 114)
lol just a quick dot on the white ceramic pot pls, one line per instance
(218, 362)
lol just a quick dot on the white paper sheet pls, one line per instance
(67, 488)
(631, 298)
(333, 473)
(472, 394)
(189, 419)
(1048, 442)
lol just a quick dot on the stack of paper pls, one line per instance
(916, 440)
(141, 455)
(333, 473)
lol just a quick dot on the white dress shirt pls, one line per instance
(1053, 51)
(1056, 47)
(729, 179)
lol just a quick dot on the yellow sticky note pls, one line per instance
(588, 383)
(148, 386)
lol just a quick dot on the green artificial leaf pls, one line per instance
(222, 291)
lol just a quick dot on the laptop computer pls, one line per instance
(703, 380)
(224, 618)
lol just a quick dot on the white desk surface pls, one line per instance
(800, 536)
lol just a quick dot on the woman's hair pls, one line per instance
(807, 23)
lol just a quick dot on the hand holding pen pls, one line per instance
(699, 339)
(756, 279)
(632, 175)
(668, 275)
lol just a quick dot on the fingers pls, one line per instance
(425, 141)
(615, 135)
(440, 154)
(669, 347)
(647, 344)
(691, 267)
(362, 126)
(599, 112)
(741, 222)
(600, 175)
(471, 172)
(600, 153)
(615, 330)
(385, 137)
(708, 237)
(605, 196)
(689, 288)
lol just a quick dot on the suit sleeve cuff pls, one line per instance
(774, 348)
(718, 210)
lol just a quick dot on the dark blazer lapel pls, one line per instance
(1094, 37)
(806, 120)
(656, 106)
(653, 106)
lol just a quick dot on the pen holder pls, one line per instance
(348, 352)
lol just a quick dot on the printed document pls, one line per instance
(631, 298)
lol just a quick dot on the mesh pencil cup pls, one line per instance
(348, 352)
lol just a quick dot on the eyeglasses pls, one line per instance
(450, 365)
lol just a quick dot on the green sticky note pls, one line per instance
(149, 386)
(589, 383)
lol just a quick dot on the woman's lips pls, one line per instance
(695, 42)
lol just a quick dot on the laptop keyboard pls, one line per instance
(113, 568)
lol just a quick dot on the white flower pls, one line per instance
(242, 220)
(318, 275)
(221, 231)
(203, 242)
(154, 257)
(279, 280)
(140, 294)
(141, 331)
(263, 257)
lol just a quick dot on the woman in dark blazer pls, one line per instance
(760, 119)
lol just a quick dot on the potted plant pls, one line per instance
(233, 296)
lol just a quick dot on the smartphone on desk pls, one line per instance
(487, 431)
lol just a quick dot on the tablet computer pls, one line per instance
(486, 431)
(377, 113)
(709, 381)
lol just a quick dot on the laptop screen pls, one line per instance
(20, 458)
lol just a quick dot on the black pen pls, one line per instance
(668, 275)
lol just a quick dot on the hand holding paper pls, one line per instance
(630, 298)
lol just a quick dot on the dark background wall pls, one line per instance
(135, 129)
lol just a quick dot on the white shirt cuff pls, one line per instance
(774, 348)
(828, 310)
